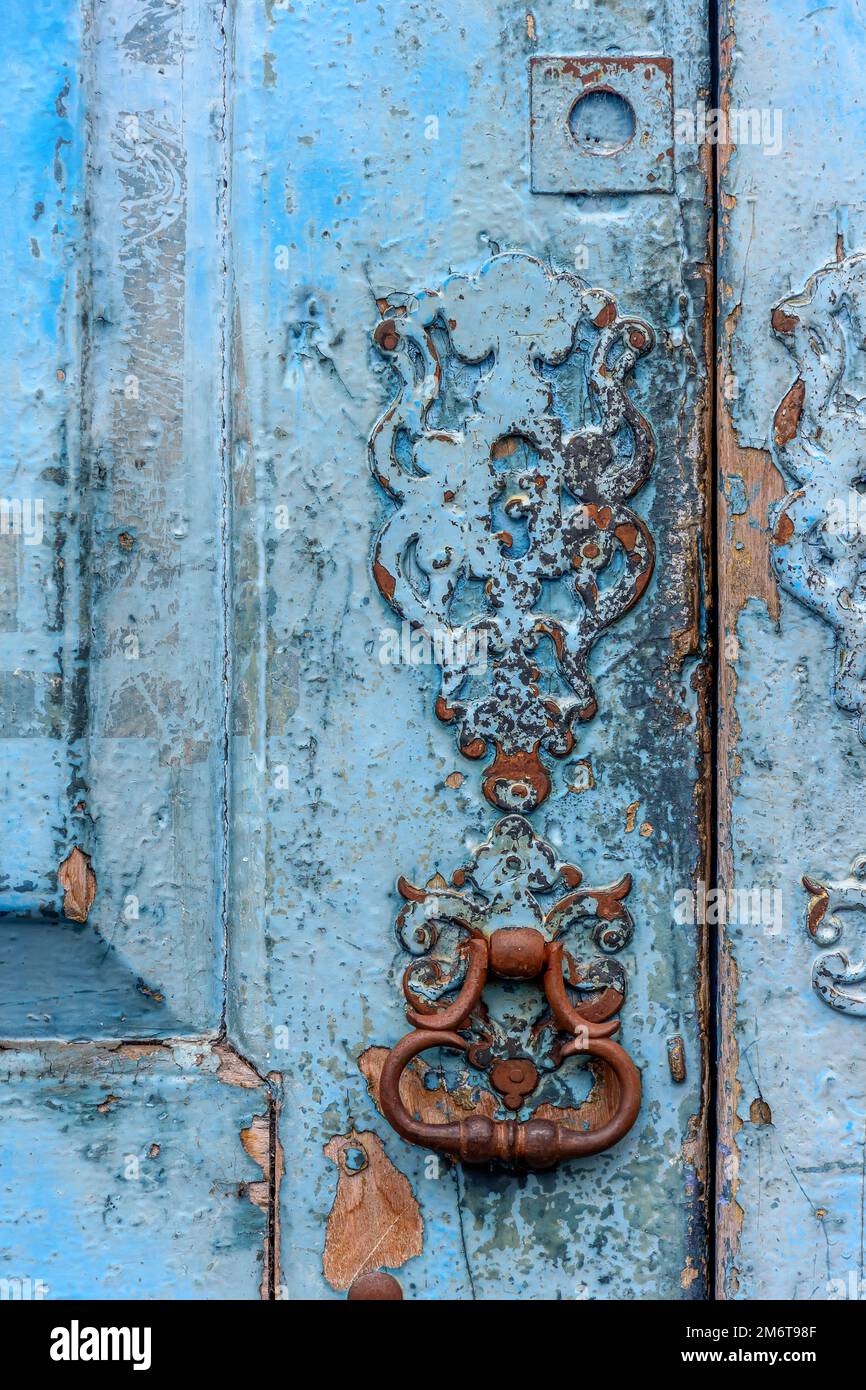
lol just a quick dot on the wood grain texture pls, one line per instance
(792, 1108)
(375, 1221)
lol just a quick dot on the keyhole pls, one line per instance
(601, 122)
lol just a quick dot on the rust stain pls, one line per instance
(630, 816)
(524, 770)
(106, 1106)
(760, 1112)
(375, 1220)
(819, 901)
(787, 418)
(386, 582)
(783, 322)
(380, 1287)
(454, 780)
(677, 1058)
(150, 992)
(605, 316)
(76, 877)
(784, 530)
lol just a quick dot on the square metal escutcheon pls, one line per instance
(601, 125)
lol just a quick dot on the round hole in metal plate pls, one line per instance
(601, 121)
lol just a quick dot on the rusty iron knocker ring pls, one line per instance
(517, 953)
(531, 1143)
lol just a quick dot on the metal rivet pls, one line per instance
(377, 1285)
(677, 1058)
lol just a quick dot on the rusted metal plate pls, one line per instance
(514, 512)
(602, 124)
(792, 763)
(368, 196)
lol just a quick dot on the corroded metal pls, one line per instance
(517, 492)
(819, 438)
(534, 1143)
(378, 1286)
(490, 924)
(839, 980)
(677, 1058)
(561, 162)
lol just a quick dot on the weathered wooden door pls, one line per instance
(400, 402)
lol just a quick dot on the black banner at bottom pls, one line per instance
(83, 1337)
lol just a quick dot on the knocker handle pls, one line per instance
(531, 1143)
(445, 1003)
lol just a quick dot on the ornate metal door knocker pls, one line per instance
(490, 925)
(493, 507)
(511, 452)
(819, 550)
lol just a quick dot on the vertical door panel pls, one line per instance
(116, 774)
(136, 1141)
(792, 758)
(41, 207)
(375, 154)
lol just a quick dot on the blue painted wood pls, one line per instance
(792, 1100)
(372, 156)
(115, 694)
(130, 1168)
(125, 1176)
(245, 773)
(41, 213)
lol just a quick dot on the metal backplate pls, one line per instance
(563, 162)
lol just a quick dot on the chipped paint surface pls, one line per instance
(124, 1175)
(194, 699)
(504, 504)
(133, 1163)
(373, 158)
(792, 1086)
(375, 1220)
